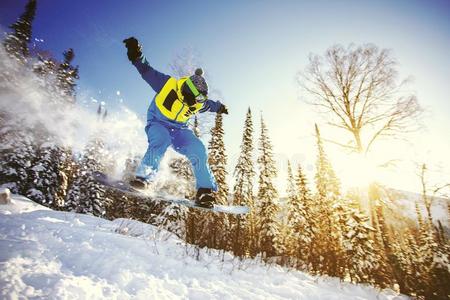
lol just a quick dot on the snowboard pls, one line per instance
(125, 188)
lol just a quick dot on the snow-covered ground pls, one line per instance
(47, 254)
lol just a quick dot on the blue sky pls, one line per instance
(251, 51)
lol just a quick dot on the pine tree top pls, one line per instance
(16, 43)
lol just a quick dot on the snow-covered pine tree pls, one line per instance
(383, 242)
(215, 226)
(292, 198)
(434, 249)
(44, 173)
(281, 244)
(360, 255)
(45, 66)
(217, 159)
(16, 154)
(301, 220)
(172, 218)
(67, 75)
(327, 183)
(440, 276)
(268, 223)
(243, 227)
(86, 195)
(327, 242)
(384, 272)
(425, 253)
(400, 262)
(285, 242)
(16, 42)
(410, 267)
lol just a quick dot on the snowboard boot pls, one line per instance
(139, 183)
(205, 198)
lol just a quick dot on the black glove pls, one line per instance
(223, 110)
(133, 47)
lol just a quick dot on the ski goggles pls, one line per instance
(199, 97)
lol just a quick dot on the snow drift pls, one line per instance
(58, 255)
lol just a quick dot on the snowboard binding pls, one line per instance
(205, 198)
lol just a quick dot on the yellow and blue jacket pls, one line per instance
(168, 106)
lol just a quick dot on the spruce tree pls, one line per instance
(67, 75)
(426, 251)
(16, 156)
(86, 195)
(281, 244)
(268, 223)
(244, 226)
(412, 282)
(440, 276)
(327, 242)
(384, 272)
(300, 218)
(175, 217)
(215, 226)
(286, 243)
(360, 254)
(327, 184)
(45, 67)
(43, 185)
(382, 237)
(172, 218)
(217, 159)
(292, 197)
(16, 42)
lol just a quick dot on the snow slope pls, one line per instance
(47, 254)
(406, 206)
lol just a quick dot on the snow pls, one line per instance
(59, 255)
(22, 95)
(407, 200)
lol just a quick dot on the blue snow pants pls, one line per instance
(184, 141)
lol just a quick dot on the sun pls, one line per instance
(359, 171)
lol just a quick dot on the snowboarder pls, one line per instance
(176, 101)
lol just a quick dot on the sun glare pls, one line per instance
(359, 171)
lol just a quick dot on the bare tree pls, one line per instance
(184, 63)
(431, 192)
(358, 88)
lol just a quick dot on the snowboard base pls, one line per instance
(124, 187)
